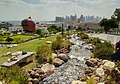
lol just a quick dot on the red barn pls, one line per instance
(28, 25)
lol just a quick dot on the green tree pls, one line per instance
(117, 16)
(38, 31)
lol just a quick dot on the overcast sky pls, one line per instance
(44, 10)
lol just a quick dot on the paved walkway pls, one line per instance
(108, 37)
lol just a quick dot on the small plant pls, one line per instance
(43, 52)
(13, 75)
(91, 80)
(50, 59)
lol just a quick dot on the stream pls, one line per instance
(74, 68)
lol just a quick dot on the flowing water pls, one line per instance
(72, 69)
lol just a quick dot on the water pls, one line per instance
(72, 69)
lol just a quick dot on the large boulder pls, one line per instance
(63, 57)
(58, 62)
(109, 65)
(78, 82)
(47, 68)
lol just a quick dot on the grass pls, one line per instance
(19, 37)
(30, 46)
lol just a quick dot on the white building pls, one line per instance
(17, 28)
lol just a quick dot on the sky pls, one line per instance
(46, 10)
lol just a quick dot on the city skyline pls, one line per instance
(46, 10)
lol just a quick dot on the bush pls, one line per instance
(104, 50)
(13, 75)
(83, 35)
(50, 59)
(59, 43)
(8, 39)
(95, 41)
(91, 80)
(43, 52)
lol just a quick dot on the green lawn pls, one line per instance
(28, 46)
(17, 38)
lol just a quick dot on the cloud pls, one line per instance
(48, 9)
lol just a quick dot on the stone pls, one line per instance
(30, 79)
(63, 57)
(47, 68)
(91, 62)
(109, 65)
(100, 72)
(40, 72)
(54, 55)
(48, 42)
(88, 71)
(58, 62)
(78, 82)
(35, 81)
(32, 74)
(36, 75)
(35, 69)
(30, 83)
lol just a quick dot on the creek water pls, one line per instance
(74, 68)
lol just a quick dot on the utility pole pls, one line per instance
(62, 29)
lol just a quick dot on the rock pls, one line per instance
(109, 65)
(58, 62)
(35, 81)
(35, 69)
(48, 42)
(104, 61)
(91, 62)
(30, 83)
(88, 71)
(30, 79)
(100, 72)
(40, 72)
(101, 83)
(63, 57)
(36, 75)
(32, 74)
(54, 55)
(78, 82)
(47, 68)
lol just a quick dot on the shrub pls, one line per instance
(43, 52)
(91, 80)
(95, 41)
(83, 35)
(59, 43)
(8, 39)
(104, 50)
(13, 75)
(50, 59)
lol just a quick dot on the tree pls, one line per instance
(54, 29)
(117, 16)
(8, 39)
(39, 31)
(108, 24)
(104, 23)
